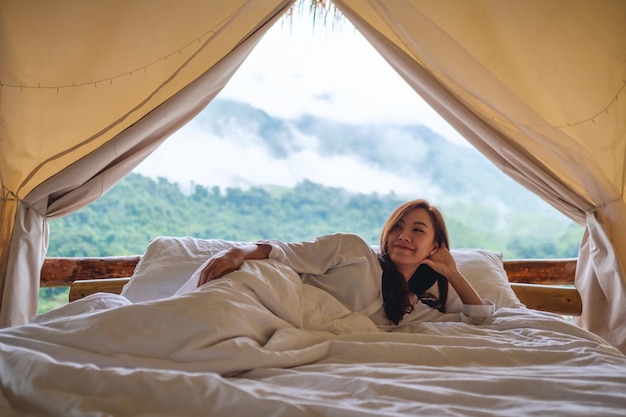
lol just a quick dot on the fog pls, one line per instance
(326, 71)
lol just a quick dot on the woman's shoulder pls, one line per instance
(345, 237)
(350, 240)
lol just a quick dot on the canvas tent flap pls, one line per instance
(75, 76)
(540, 89)
(529, 69)
(93, 68)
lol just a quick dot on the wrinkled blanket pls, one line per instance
(260, 342)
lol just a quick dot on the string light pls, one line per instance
(591, 119)
(199, 40)
(604, 110)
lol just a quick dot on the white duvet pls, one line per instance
(261, 343)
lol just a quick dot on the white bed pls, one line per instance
(243, 346)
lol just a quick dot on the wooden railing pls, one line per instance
(62, 272)
(541, 271)
(542, 284)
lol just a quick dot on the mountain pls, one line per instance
(438, 170)
(236, 195)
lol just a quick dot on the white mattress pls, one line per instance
(266, 344)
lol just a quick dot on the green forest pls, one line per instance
(139, 208)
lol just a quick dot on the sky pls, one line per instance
(328, 71)
(300, 68)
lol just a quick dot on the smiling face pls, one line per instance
(410, 240)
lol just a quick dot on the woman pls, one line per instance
(379, 286)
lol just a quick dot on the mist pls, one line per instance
(196, 157)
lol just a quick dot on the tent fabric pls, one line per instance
(89, 178)
(64, 141)
(540, 89)
(537, 86)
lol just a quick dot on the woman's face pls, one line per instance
(411, 240)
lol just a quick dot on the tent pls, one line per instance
(89, 89)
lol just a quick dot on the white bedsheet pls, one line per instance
(261, 343)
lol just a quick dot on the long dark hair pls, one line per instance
(397, 298)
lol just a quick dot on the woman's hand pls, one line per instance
(221, 264)
(231, 259)
(441, 260)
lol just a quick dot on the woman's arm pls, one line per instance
(231, 259)
(464, 289)
(443, 262)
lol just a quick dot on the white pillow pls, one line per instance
(169, 262)
(484, 270)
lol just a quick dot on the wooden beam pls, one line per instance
(552, 298)
(541, 271)
(64, 271)
(85, 287)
